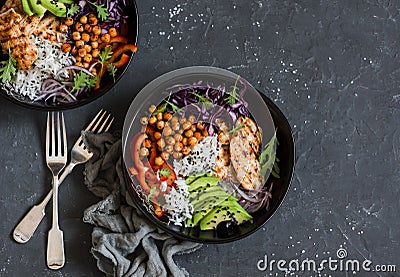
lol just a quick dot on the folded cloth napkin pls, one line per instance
(124, 242)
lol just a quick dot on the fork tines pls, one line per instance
(51, 133)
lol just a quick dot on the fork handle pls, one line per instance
(28, 225)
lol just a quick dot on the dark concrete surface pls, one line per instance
(333, 67)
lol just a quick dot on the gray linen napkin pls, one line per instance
(124, 242)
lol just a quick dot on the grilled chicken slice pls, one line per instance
(29, 24)
(9, 27)
(244, 146)
(12, 4)
(47, 28)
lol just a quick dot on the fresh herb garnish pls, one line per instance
(152, 192)
(207, 103)
(268, 159)
(83, 80)
(101, 10)
(165, 172)
(163, 107)
(233, 96)
(73, 10)
(8, 68)
(105, 55)
(237, 127)
(112, 69)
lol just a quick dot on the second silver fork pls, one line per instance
(79, 154)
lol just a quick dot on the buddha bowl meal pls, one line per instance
(199, 159)
(57, 52)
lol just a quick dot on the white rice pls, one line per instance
(50, 60)
(200, 160)
(177, 204)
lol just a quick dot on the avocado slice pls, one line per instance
(26, 8)
(69, 2)
(38, 9)
(229, 210)
(191, 179)
(203, 182)
(57, 8)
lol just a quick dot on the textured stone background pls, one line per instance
(333, 69)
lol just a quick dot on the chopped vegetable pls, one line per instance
(112, 70)
(165, 172)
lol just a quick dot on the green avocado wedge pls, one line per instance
(203, 182)
(57, 8)
(38, 9)
(229, 210)
(26, 7)
(69, 2)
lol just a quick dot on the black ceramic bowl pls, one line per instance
(269, 118)
(107, 82)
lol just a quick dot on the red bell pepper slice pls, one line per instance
(135, 146)
(122, 61)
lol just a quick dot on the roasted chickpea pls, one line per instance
(144, 120)
(76, 36)
(175, 126)
(94, 71)
(177, 155)
(95, 53)
(79, 44)
(185, 150)
(192, 119)
(204, 133)
(157, 135)
(88, 48)
(83, 19)
(169, 149)
(96, 30)
(93, 20)
(171, 141)
(159, 116)
(178, 147)
(91, 15)
(152, 120)
(178, 137)
(144, 152)
(113, 32)
(152, 108)
(69, 21)
(186, 125)
(167, 131)
(161, 143)
(182, 120)
(174, 119)
(87, 28)
(63, 28)
(88, 58)
(94, 37)
(188, 133)
(82, 52)
(165, 156)
(193, 128)
(78, 59)
(198, 136)
(66, 47)
(160, 125)
(159, 161)
(86, 65)
(167, 116)
(192, 141)
(94, 44)
(223, 138)
(185, 141)
(85, 37)
(79, 27)
(147, 143)
(105, 38)
(79, 64)
(200, 126)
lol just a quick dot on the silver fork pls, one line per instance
(56, 159)
(79, 154)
